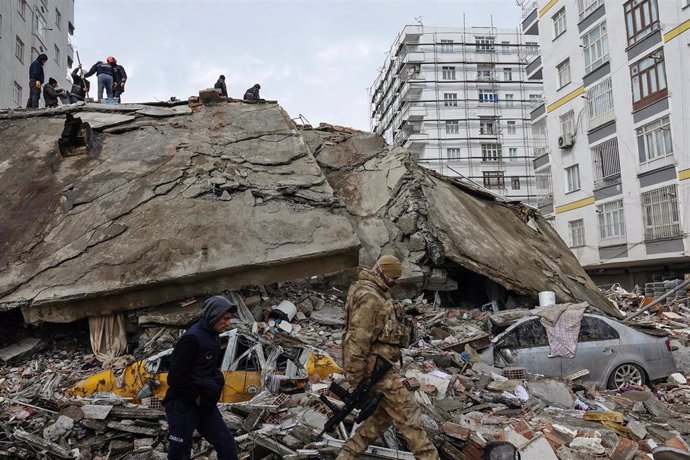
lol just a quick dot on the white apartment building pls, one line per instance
(614, 169)
(27, 29)
(459, 99)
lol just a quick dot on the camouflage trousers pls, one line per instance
(398, 408)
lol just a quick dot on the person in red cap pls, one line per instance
(375, 326)
(106, 73)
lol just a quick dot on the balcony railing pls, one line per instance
(607, 166)
(601, 108)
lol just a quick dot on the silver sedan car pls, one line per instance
(613, 353)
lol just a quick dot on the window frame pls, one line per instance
(452, 126)
(596, 43)
(484, 43)
(486, 95)
(58, 19)
(56, 50)
(572, 178)
(611, 222)
(448, 72)
(648, 136)
(491, 151)
(515, 183)
(511, 127)
(21, 8)
(447, 46)
(19, 49)
(488, 126)
(453, 153)
(587, 7)
(40, 26)
(510, 99)
(610, 333)
(17, 94)
(654, 211)
(641, 78)
(507, 74)
(634, 12)
(512, 153)
(450, 99)
(567, 120)
(576, 232)
(559, 17)
(493, 179)
(561, 69)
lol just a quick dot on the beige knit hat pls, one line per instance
(390, 266)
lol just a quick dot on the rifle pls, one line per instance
(362, 398)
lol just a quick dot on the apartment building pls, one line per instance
(27, 29)
(459, 99)
(614, 169)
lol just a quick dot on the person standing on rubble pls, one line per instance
(119, 80)
(375, 326)
(80, 86)
(220, 84)
(252, 94)
(195, 384)
(105, 72)
(36, 79)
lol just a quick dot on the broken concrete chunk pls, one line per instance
(329, 316)
(61, 426)
(553, 392)
(21, 350)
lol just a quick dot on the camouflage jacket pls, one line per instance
(374, 326)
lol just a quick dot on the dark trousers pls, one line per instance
(34, 95)
(185, 417)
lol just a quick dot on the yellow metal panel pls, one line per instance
(575, 204)
(684, 174)
(565, 99)
(547, 7)
(673, 33)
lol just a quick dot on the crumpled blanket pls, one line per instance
(562, 323)
(109, 343)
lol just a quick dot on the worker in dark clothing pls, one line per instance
(220, 84)
(105, 72)
(252, 94)
(51, 93)
(195, 385)
(119, 80)
(36, 79)
(80, 86)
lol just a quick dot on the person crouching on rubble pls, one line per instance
(195, 385)
(376, 326)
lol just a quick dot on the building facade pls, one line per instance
(614, 169)
(27, 29)
(459, 99)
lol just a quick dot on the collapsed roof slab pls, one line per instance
(164, 207)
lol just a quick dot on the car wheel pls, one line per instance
(626, 374)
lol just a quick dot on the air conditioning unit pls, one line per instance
(566, 141)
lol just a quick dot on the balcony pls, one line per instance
(607, 166)
(530, 18)
(411, 91)
(534, 69)
(413, 112)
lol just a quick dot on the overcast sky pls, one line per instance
(316, 57)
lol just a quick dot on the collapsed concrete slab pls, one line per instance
(445, 230)
(169, 203)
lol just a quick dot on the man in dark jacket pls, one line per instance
(119, 80)
(80, 86)
(252, 94)
(51, 93)
(195, 385)
(105, 72)
(220, 84)
(36, 79)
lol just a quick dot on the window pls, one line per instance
(487, 96)
(509, 100)
(596, 47)
(450, 99)
(448, 72)
(56, 50)
(452, 127)
(484, 44)
(505, 47)
(600, 103)
(34, 54)
(19, 49)
(70, 27)
(69, 62)
(447, 46)
(568, 123)
(515, 183)
(654, 140)
(21, 8)
(17, 94)
(511, 127)
(532, 47)
(512, 152)
(593, 329)
(493, 179)
(559, 23)
(641, 19)
(491, 152)
(40, 26)
(507, 74)
(648, 77)
(572, 178)
(611, 222)
(660, 213)
(587, 7)
(607, 165)
(58, 19)
(563, 73)
(485, 73)
(576, 230)
(529, 334)
(534, 98)
(453, 153)
(488, 126)
(0, 25)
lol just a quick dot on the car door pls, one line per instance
(597, 347)
(527, 345)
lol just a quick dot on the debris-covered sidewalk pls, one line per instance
(467, 403)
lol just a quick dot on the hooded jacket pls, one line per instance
(195, 364)
(51, 95)
(220, 84)
(100, 68)
(374, 326)
(36, 69)
(252, 94)
(80, 85)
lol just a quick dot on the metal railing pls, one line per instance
(607, 165)
(660, 213)
(600, 99)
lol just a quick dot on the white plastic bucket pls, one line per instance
(288, 308)
(547, 298)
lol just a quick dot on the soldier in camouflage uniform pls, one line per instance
(375, 326)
